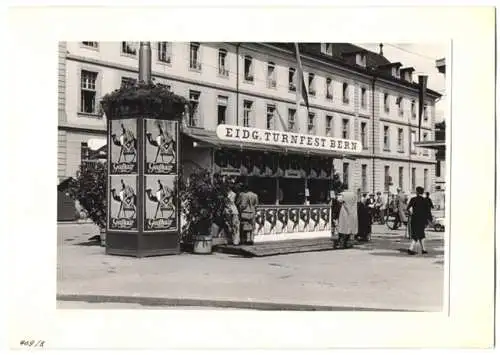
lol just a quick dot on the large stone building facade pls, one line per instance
(353, 94)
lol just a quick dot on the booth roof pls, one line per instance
(211, 139)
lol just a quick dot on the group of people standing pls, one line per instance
(353, 215)
(242, 205)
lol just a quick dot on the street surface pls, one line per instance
(378, 275)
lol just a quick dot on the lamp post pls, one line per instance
(145, 62)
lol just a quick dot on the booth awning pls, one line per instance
(210, 139)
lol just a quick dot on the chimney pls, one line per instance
(381, 52)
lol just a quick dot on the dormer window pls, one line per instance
(361, 59)
(327, 48)
(396, 72)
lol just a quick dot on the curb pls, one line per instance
(187, 302)
(74, 222)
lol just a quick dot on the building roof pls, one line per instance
(374, 61)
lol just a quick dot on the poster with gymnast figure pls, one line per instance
(123, 202)
(160, 146)
(160, 212)
(123, 146)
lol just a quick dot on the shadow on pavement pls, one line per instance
(93, 241)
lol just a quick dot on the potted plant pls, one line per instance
(204, 202)
(89, 189)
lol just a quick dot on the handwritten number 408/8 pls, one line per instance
(32, 343)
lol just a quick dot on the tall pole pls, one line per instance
(145, 62)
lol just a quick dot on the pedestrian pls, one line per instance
(418, 209)
(430, 206)
(247, 202)
(233, 210)
(348, 219)
(401, 199)
(364, 220)
(379, 206)
(336, 205)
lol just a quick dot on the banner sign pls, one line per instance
(244, 135)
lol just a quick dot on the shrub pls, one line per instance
(204, 201)
(89, 188)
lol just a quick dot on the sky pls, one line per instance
(422, 57)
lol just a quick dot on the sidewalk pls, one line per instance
(375, 276)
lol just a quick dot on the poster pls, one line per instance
(123, 146)
(315, 218)
(270, 227)
(123, 202)
(324, 223)
(282, 225)
(304, 219)
(160, 146)
(160, 212)
(259, 221)
(293, 219)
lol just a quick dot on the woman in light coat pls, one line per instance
(348, 219)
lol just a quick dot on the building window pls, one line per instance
(291, 79)
(291, 119)
(412, 141)
(413, 109)
(88, 92)
(364, 179)
(312, 88)
(387, 178)
(248, 68)
(345, 128)
(387, 143)
(399, 103)
(426, 179)
(221, 109)
(84, 151)
(223, 71)
(413, 178)
(364, 137)
(329, 89)
(329, 120)
(386, 103)
(164, 51)
(271, 75)
(194, 56)
(311, 123)
(126, 81)
(426, 113)
(327, 48)
(345, 93)
(270, 116)
(400, 140)
(345, 177)
(129, 48)
(194, 115)
(91, 44)
(424, 137)
(400, 180)
(247, 112)
(363, 97)
(438, 168)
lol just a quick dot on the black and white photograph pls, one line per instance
(300, 176)
(355, 132)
